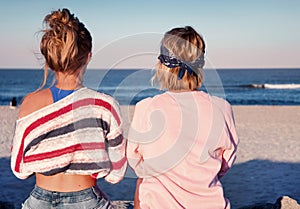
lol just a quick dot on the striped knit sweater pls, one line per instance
(80, 134)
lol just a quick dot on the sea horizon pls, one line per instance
(245, 86)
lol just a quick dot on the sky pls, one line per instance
(126, 34)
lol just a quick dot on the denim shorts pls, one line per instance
(91, 198)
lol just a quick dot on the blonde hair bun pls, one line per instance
(66, 42)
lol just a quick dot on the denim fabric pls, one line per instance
(91, 198)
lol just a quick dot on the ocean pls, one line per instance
(128, 86)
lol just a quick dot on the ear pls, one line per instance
(89, 57)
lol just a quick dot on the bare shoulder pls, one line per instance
(35, 101)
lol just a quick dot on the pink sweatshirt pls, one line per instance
(181, 144)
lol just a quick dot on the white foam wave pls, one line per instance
(276, 86)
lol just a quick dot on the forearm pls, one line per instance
(136, 195)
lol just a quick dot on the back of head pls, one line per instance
(66, 43)
(181, 59)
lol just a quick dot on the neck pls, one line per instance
(68, 81)
(181, 90)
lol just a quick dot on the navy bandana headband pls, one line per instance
(170, 61)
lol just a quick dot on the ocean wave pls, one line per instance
(275, 86)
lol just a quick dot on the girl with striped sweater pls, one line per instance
(68, 136)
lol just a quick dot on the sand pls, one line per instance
(267, 165)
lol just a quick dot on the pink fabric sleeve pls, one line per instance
(134, 152)
(229, 153)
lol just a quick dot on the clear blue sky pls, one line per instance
(126, 34)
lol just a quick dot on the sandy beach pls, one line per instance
(267, 165)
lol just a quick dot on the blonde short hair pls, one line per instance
(187, 46)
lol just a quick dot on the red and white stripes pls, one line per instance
(80, 134)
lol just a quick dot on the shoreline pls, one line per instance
(267, 165)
